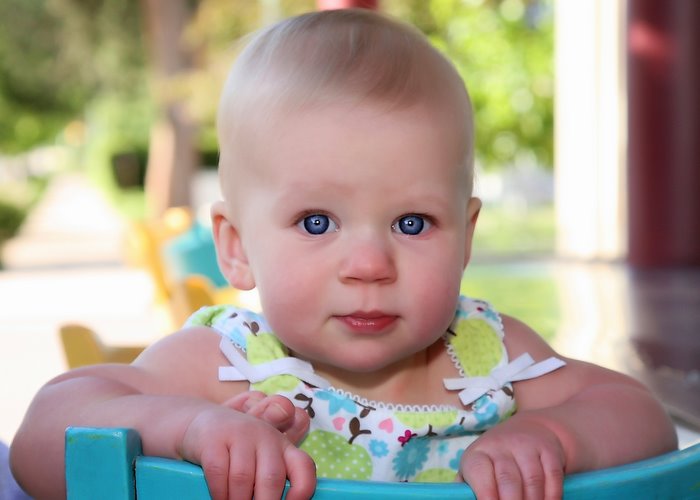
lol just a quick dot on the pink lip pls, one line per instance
(367, 321)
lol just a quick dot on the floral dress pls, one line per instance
(353, 438)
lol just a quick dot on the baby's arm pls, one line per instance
(172, 396)
(580, 417)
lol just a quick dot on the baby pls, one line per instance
(346, 169)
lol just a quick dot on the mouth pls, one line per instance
(368, 321)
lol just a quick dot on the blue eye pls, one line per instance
(411, 225)
(317, 224)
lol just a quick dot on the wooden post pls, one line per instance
(172, 159)
(664, 133)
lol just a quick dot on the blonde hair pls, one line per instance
(340, 56)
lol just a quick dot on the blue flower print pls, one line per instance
(378, 448)
(491, 314)
(238, 338)
(486, 412)
(411, 458)
(462, 308)
(442, 448)
(454, 463)
(337, 402)
(459, 430)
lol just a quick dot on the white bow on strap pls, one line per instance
(242, 370)
(522, 368)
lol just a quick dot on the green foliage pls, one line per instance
(503, 230)
(503, 49)
(213, 34)
(11, 218)
(55, 57)
(16, 200)
(41, 83)
(525, 291)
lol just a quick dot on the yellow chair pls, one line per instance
(196, 291)
(82, 346)
(145, 243)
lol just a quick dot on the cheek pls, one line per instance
(436, 288)
(290, 287)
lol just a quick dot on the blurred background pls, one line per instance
(587, 163)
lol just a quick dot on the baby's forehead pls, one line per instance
(342, 133)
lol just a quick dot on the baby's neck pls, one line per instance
(416, 380)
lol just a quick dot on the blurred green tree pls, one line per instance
(56, 56)
(59, 58)
(504, 51)
(502, 48)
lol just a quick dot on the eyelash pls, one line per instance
(301, 223)
(426, 223)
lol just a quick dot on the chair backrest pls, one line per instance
(190, 294)
(145, 241)
(196, 291)
(82, 346)
(107, 464)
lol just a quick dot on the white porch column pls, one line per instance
(590, 129)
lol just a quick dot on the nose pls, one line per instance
(369, 261)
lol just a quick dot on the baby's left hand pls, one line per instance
(520, 458)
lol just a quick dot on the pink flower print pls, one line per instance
(407, 435)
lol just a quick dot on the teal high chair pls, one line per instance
(108, 464)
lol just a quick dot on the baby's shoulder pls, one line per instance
(520, 338)
(181, 363)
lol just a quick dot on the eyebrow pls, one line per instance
(422, 202)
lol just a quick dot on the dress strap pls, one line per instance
(241, 369)
(522, 368)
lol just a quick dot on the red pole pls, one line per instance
(664, 132)
(347, 4)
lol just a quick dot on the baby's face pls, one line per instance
(357, 226)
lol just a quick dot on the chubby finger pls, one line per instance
(299, 427)
(270, 474)
(478, 472)
(276, 410)
(215, 464)
(508, 479)
(532, 475)
(244, 401)
(279, 412)
(301, 471)
(554, 476)
(241, 473)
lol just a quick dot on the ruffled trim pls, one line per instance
(453, 356)
(392, 406)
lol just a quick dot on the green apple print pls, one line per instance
(436, 476)
(264, 347)
(477, 346)
(207, 316)
(416, 420)
(337, 458)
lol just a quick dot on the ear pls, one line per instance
(473, 209)
(229, 249)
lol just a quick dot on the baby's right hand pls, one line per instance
(276, 410)
(243, 456)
